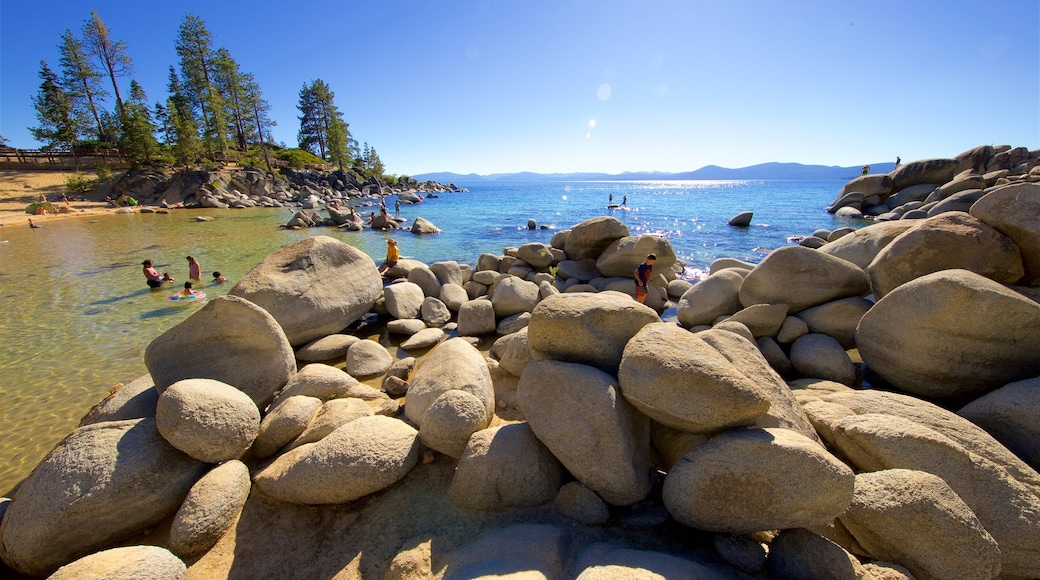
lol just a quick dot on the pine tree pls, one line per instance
(182, 134)
(82, 82)
(110, 54)
(322, 124)
(260, 110)
(59, 128)
(231, 84)
(137, 131)
(195, 48)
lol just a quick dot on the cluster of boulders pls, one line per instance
(251, 187)
(743, 416)
(933, 186)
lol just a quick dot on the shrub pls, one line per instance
(79, 183)
(104, 174)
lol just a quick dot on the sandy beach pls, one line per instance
(19, 188)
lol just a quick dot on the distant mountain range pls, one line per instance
(760, 171)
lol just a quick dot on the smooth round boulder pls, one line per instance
(331, 416)
(822, 357)
(450, 420)
(913, 518)
(210, 509)
(209, 420)
(423, 226)
(359, 458)
(284, 423)
(622, 257)
(453, 296)
(537, 254)
(313, 288)
(134, 400)
(1014, 210)
(923, 171)
(863, 244)
(476, 318)
(404, 300)
(515, 352)
(230, 340)
(837, 319)
(425, 338)
(748, 480)
(951, 333)
(715, 296)
(368, 358)
(597, 435)
(448, 272)
(405, 326)
(504, 467)
(741, 220)
(424, 278)
(945, 242)
(513, 296)
(679, 380)
(589, 238)
(1009, 414)
(580, 503)
(802, 278)
(331, 347)
(798, 553)
(581, 270)
(585, 328)
(325, 382)
(102, 484)
(452, 364)
(761, 319)
(125, 563)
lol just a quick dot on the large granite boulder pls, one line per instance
(325, 382)
(434, 312)
(1010, 414)
(326, 348)
(837, 319)
(597, 435)
(924, 171)
(519, 551)
(476, 318)
(210, 509)
(361, 457)
(452, 364)
(536, 254)
(715, 296)
(453, 296)
(125, 563)
(951, 333)
(102, 484)
(622, 257)
(209, 420)
(1008, 509)
(505, 467)
(679, 380)
(879, 184)
(798, 553)
(822, 357)
(367, 358)
(1014, 210)
(914, 519)
(424, 278)
(134, 400)
(802, 278)
(451, 420)
(586, 328)
(761, 319)
(404, 300)
(748, 480)
(863, 244)
(448, 272)
(331, 416)
(230, 340)
(589, 238)
(314, 287)
(964, 432)
(514, 295)
(945, 242)
(581, 270)
(284, 423)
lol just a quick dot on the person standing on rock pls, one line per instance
(194, 270)
(866, 169)
(397, 208)
(643, 273)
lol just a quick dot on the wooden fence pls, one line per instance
(75, 160)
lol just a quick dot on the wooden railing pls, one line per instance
(75, 160)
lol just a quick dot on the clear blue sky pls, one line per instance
(490, 86)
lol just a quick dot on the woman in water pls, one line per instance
(194, 270)
(151, 275)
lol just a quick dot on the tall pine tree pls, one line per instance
(82, 82)
(195, 48)
(137, 131)
(182, 134)
(110, 54)
(322, 125)
(59, 127)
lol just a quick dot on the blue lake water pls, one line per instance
(75, 314)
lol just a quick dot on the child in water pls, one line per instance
(187, 290)
(167, 278)
(218, 279)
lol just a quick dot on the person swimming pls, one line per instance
(218, 279)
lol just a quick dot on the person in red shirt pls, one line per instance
(643, 273)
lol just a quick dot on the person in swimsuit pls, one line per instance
(188, 290)
(218, 278)
(643, 273)
(194, 270)
(151, 275)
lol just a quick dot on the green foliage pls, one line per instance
(194, 46)
(110, 53)
(59, 128)
(322, 128)
(137, 132)
(82, 82)
(104, 174)
(298, 158)
(80, 183)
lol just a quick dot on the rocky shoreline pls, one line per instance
(525, 416)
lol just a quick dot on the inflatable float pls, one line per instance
(178, 297)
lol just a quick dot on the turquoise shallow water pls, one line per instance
(75, 315)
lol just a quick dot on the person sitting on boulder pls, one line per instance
(393, 254)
